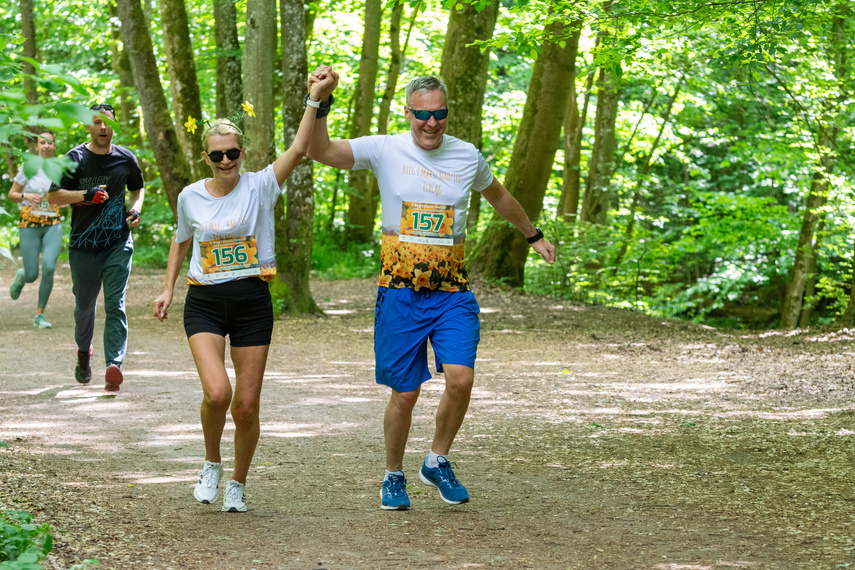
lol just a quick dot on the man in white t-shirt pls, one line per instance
(425, 178)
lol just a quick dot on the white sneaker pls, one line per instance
(209, 479)
(233, 498)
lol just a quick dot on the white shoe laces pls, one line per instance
(234, 493)
(209, 476)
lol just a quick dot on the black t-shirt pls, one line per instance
(100, 226)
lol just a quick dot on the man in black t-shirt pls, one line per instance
(101, 247)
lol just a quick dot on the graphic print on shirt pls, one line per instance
(423, 254)
(106, 228)
(425, 197)
(41, 213)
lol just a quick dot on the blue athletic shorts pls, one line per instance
(404, 320)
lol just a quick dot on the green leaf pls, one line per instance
(51, 123)
(32, 164)
(53, 169)
(3, 444)
(76, 112)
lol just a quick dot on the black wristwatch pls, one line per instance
(536, 237)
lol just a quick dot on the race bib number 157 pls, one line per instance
(237, 256)
(427, 223)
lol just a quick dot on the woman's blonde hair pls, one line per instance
(222, 127)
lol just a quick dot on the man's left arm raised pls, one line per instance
(508, 207)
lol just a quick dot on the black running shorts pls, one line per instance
(241, 309)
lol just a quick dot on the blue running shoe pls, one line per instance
(442, 477)
(393, 495)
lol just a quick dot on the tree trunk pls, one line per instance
(28, 31)
(595, 203)
(502, 250)
(294, 236)
(361, 209)
(817, 198)
(810, 283)
(121, 64)
(258, 82)
(395, 55)
(464, 70)
(574, 124)
(818, 193)
(182, 81)
(174, 170)
(229, 82)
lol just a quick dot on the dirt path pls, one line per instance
(596, 438)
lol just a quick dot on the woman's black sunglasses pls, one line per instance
(439, 114)
(217, 155)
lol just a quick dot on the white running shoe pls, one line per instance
(209, 479)
(233, 498)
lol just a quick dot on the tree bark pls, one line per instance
(28, 31)
(294, 236)
(258, 82)
(464, 70)
(395, 55)
(121, 64)
(361, 209)
(181, 68)
(810, 282)
(574, 124)
(818, 194)
(595, 203)
(817, 198)
(229, 81)
(502, 250)
(174, 170)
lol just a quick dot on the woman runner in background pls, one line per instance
(40, 230)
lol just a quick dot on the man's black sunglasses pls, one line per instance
(217, 155)
(102, 107)
(439, 114)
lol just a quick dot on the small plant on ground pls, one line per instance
(23, 543)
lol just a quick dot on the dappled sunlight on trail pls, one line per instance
(595, 438)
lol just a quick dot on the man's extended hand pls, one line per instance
(96, 195)
(545, 249)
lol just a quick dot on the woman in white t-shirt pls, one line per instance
(228, 221)
(40, 230)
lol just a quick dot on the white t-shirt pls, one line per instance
(42, 213)
(233, 236)
(425, 198)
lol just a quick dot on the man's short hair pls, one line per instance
(102, 107)
(424, 84)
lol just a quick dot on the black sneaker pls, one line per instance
(82, 372)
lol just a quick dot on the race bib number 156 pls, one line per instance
(237, 256)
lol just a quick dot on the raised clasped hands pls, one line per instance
(324, 80)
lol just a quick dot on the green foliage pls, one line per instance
(715, 215)
(331, 260)
(153, 237)
(23, 543)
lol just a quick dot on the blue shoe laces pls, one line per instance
(397, 485)
(447, 474)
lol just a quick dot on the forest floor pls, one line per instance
(596, 438)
